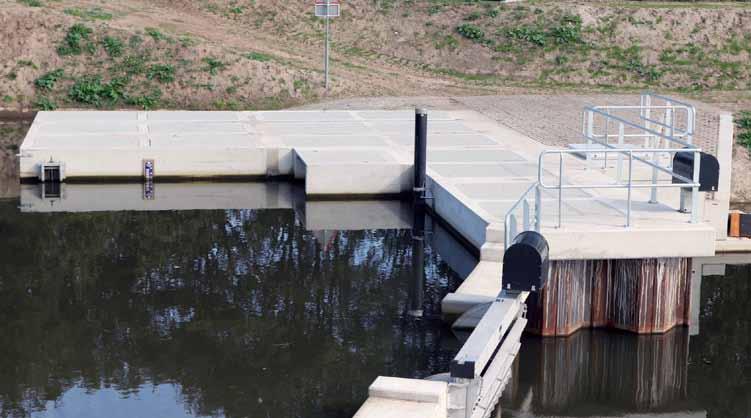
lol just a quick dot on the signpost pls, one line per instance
(327, 9)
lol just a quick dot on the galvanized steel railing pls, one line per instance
(676, 138)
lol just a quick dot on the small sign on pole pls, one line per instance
(327, 9)
(330, 8)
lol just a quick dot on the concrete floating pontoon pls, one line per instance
(476, 170)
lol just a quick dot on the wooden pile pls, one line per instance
(644, 296)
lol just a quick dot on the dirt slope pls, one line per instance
(253, 54)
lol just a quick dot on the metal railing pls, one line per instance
(675, 137)
(531, 214)
(482, 368)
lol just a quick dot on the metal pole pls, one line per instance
(695, 190)
(630, 183)
(619, 172)
(590, 133)
(326, 48)
(560, 192)
(421, 152)
(538, 209)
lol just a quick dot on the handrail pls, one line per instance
(676, 139)
(627, 122)
(510, 221)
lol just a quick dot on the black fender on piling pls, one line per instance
(526, 263)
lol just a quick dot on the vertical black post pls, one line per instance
(416, 289)
(421, 151)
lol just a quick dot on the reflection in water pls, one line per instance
(11, 137)
(231, 312)
(601, 373)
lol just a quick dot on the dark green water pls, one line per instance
(599, 373)
(235, 313)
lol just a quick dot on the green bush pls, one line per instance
(471, 31)
(744, 120)
(476, 15)
(258, 56)
(92, 90)
(113, 46)
(72, 42)
(146, 101)
(164, 73)
(568, 30)
(529, 34)
(133, 65)
(31, 3)
(47, 81)
(156, 34)
(91, 13)
(213, 65)
(44, 103)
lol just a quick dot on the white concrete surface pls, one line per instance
(477, 170)
(399, 398)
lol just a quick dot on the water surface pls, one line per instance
(236, 313)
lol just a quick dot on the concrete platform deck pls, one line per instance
(477, 170)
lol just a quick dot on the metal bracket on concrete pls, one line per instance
(482, 368)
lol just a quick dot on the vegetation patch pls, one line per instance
(93, 13)
(47, 81)
(44, 103)
(471, 32)
(91, 90)
(164, 73)
(743, 121)
(72, 43)
(32, 3)
(113, 46)
(214, 65)
(258, 56)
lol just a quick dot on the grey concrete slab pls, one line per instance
(96, 126)
(510, 170)
(191, 127)
(323, 128)
(407, 115)
(434, 127)
(510, 191)
(304, 116)
(86, 116)
(86, 142)
(195, 116)
(325, 141)
(332, 157)
(407, 139)
(203, 140)
(472, 155)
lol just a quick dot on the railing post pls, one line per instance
(695, 189)
(654, 142)
(607, 141)
(525, 215)
(589, 133)
(538, 208)
(669, 117)
(647, 113)
(619, 171)
(691, 124)
(630, 181)
(560, 191)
